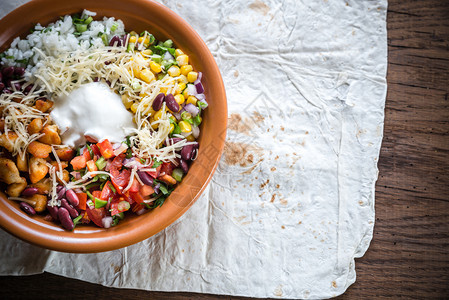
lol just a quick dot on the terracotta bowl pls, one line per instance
(138, 15)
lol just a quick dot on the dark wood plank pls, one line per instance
(409, 254)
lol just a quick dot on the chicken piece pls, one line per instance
(65, 177)
(22, 163)
(9, 173)
(64, 164)
(15, 189)
(35, 126)
(7, 141)
(65, 153)
(43, 105)
(38, 169)
(39, 150)
(51, 136)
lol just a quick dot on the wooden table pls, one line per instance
(409, 254)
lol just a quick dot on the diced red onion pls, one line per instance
(107, 222)
(199, 87)
(195, 131)
(177, 115)
(192, 109)
(191, 90)
(200, 76)
(156, 188)
(201, 97)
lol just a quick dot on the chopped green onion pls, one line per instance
(88, 20)
(104, 38)
(197, 120)
(81, 27)
(201, 104)
(177, 174)
(156, 163)
(131, 47)
(76, 220)
(114, 26)
(163, 189)
(168, 43)
(111, 186)
(123, 206)
(156, 58)
(91, 152)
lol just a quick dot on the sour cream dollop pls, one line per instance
(92, 110)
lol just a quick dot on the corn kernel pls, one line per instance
(181, 87)
(192, 100)
(182, 78)
(185, 126)
(126, 101)
(158, 115)
(172, 127)
(146, 75)
(190, 138)
(163, 90)
(182, 60)
(186, 69)
(136, 72)
(134, 107)
(192, 76)
(178, 52)
(155, 126)
(179, 99)
(147, 52)
(145, 42)
(132, 39)
(174, 71)
(155, 67)
(186, 93)
(150, 111)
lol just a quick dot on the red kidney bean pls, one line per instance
(27, 208)
(64, 218)
(8, 72)
(157, 102)
(146, 179)
(28, 89)
(61, 193)
(115, 40)
(14, 85)
(186, 152)
(1, 77)
(73, 212)
(184, 166)
(2, 86)
(53, 210)
(72, 197)
(30, 191)
(172, 141)
(171, 103)
(19, 71)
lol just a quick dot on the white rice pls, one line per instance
(57, 38)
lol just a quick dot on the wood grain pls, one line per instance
(409, 254)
